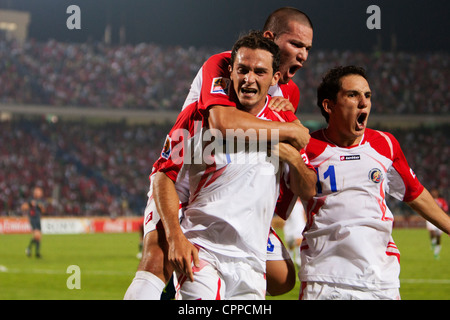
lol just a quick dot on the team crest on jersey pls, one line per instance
(221, 85)
(167, 149)
(375, 175)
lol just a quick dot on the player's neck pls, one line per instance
(341, 140)
(256, 108)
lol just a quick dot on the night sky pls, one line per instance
(418, 25)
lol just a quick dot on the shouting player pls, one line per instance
(230, 189)
(348, 251)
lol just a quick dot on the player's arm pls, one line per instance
(223, 118)
(427, 207)
(181, 251)
(303, 179)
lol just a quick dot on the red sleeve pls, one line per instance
(402, 181)
(171, 159)
(216, 83)
(413, 188)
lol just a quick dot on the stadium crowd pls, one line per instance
(102, 169)
(150, 76)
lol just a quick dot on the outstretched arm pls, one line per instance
(181, 251)
(427, 207)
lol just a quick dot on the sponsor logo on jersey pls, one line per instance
(375, 175)
(221, 85)
(167, 149)
(349, 158)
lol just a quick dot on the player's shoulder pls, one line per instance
(383, 142)
(269, 114)
(219, 59)
(291, 92)
(317, 144)
(188, 117)
(291, 86)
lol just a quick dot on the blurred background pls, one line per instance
(84, 112)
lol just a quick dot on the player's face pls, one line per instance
(350, 112)
(294, 46)
(252, 75)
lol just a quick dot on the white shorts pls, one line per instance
(328, 291)
(225, 279)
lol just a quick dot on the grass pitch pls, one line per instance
(108, 263)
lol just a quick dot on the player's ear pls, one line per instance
(327, 105)
(275, 78)
(269, 35)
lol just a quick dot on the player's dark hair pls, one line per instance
(331, 84)
(256, 40)
(278, 21)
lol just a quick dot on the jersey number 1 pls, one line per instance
(330, 173)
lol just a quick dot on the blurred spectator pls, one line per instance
(150, 76)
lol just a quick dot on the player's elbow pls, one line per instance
(220, 118)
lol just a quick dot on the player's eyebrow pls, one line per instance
(256, 69)
(300, 44)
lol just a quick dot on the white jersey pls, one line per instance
(347, 239)
(232, 194)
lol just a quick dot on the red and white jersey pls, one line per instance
(347, 238)
(232, 191)
(214, 78)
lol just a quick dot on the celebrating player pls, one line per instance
(348, 251)
(291, 29)
(238, 188)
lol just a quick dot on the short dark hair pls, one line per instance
(278, 21)
(331, 84)
(256, 40)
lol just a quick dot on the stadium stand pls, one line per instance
(153, 77)
(97, 167)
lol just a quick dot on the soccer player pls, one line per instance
(292, 30)
(348, 251)
(35, 208)
(435, 233)
(229, 191)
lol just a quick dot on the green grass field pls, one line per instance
(108, 262)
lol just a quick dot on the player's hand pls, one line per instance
(285, 152)
(182, 253)
(300, 135)
(280, 104)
